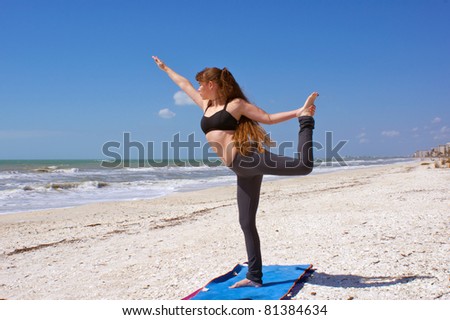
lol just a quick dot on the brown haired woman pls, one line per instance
(230, 123)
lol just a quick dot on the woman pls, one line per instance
(230, 123)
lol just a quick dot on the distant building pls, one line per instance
(442, 150)
(422, 154)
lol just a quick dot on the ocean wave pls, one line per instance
(75, 185)
(55, 169)
(7, 175)
(13, 172)
(144, 169)
(67, 186)
(45, 169)
(70, 170)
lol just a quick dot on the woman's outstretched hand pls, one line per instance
(159, 63)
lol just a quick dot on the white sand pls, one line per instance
(378, 233)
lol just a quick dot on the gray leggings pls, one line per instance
(250, 170)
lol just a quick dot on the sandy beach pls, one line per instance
(373, 233)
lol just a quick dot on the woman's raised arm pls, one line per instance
(182, 82)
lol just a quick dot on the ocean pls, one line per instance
(28, 185)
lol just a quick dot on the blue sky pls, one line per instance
(77, 74)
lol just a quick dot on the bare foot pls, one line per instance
(308, 109)
(246, 283)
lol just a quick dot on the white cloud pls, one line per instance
(445, 130)
(415, 132)
(362, 138)
(436, 120)
(182, 99)
(442, 134)
(390, 133)
(166, 113)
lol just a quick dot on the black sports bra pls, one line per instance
(221, 120)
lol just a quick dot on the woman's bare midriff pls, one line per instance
(221, 142)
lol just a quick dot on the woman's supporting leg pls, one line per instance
(248, 199)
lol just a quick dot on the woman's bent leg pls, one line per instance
(270, 163)
(303, 163)
(305, 143)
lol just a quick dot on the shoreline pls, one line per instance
(372, 233)
(196, 187)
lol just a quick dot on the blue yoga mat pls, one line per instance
(278, 283)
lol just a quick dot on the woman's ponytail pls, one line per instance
(227, 84)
